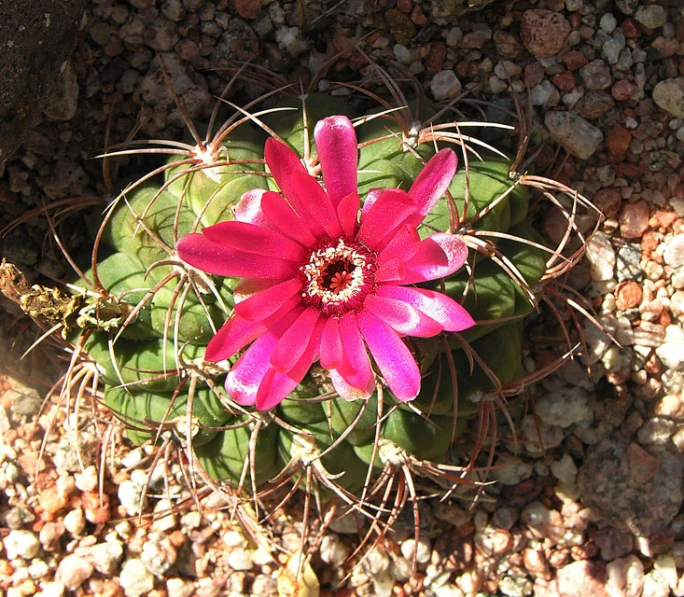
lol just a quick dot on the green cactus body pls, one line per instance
(139, 252)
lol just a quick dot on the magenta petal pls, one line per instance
(388, 212)
(390, 271)
(294, 341)
(356, 368)
(235, 334)
(254, 239)
(275, 385)
(312, 203)
(246, 287)
(392, 356)
(283, 162)
(248, 209)
(438, 256)
(198, 251)
(265, 303)
(281, 216)
(331, 344)
(348, 391)
(404, 245)
(347, 212)
(245, 377)
(440, 307)
(402, 317)
(338, 154)
(433, 180)
(370, 200)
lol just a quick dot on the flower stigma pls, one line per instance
(338, 277)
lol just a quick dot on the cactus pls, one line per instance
(202, 257)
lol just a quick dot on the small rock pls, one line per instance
(544, 32)
(574, 133)
(333, 551)
(565, 469)
(290, 40)
(26, 401)
(642, 466)
(634, 219)
(652, 16)
(106, 556)
(545, 94)
(583, 578)
(445, 85)
(617, 142)
(594, 104)
(508, 470)
(542, 522)
(596, 75)
(623, 90)
(21, 544)
(601, 256)
(135, 579)
(401, 26)
(563, 407)
(179, 587)
(74, 522)
(628, 295)
(63, 103)
(420, 550)
(625, 577)
(669, 95)
(613, 543)
(73, 571)
(671, 351)
(674, 251)
(132, 497)
(240, 559)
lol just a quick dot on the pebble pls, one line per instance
(240, 559)
(671, 350)
(132, 497)
(179, 587)
(290, 40)
(574, 133)
(655, 585)
(652, 16)
(333, 551)
(608, 22)
(73, 571)
(21, 544)
(543, 522)
(596, 75)
(540, 436)
(625, 577)
(628, 295)
(563, 407)
(618, 141)
(565, 469)
(106, 556)
(613, 543)
(544, 32)
(63, 103)
(605, 482)
(445, 85)
(594, 104)
(669, 95)
(634, 219)
(545, 94)
(135, 579)
(508, 470)
(581, 579)
(613, 48)
(74, 522)
(674, 251)
(601, 256)
(420, 550)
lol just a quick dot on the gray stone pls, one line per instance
(573, 132)
(613, 47)
(669, 96)
(608, 22)
(596, 75)
(645, 508)
(445, 85)
(652, 16)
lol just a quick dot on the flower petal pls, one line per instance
(392, 356)
(347, 390)
(293, 342)
(356, 368)
(275, 385)
(312, 203)
(403, 318)
(347, 212)
(283, 162)
(438, 256)
(404, 245)
(245, 377)
(255, 239)
(332, 354)
(198, 251)
(433, 181)
(440, 307)
(246, 287)
(391, 270)
(339, 156)
(282, 217)
(235, 334)
(248, 209)
(263, 304)
(388, 212)
(369, 201)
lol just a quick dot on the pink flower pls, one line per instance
(320, 285)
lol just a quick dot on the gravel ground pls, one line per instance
(592, 509)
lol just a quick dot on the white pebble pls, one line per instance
(135, 579)
(21, 544)
(420, 550)
(73, 571)
(445, 85)
(240, 559)
(131, 497)
(74, 522)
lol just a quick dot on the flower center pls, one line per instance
(338, 277)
